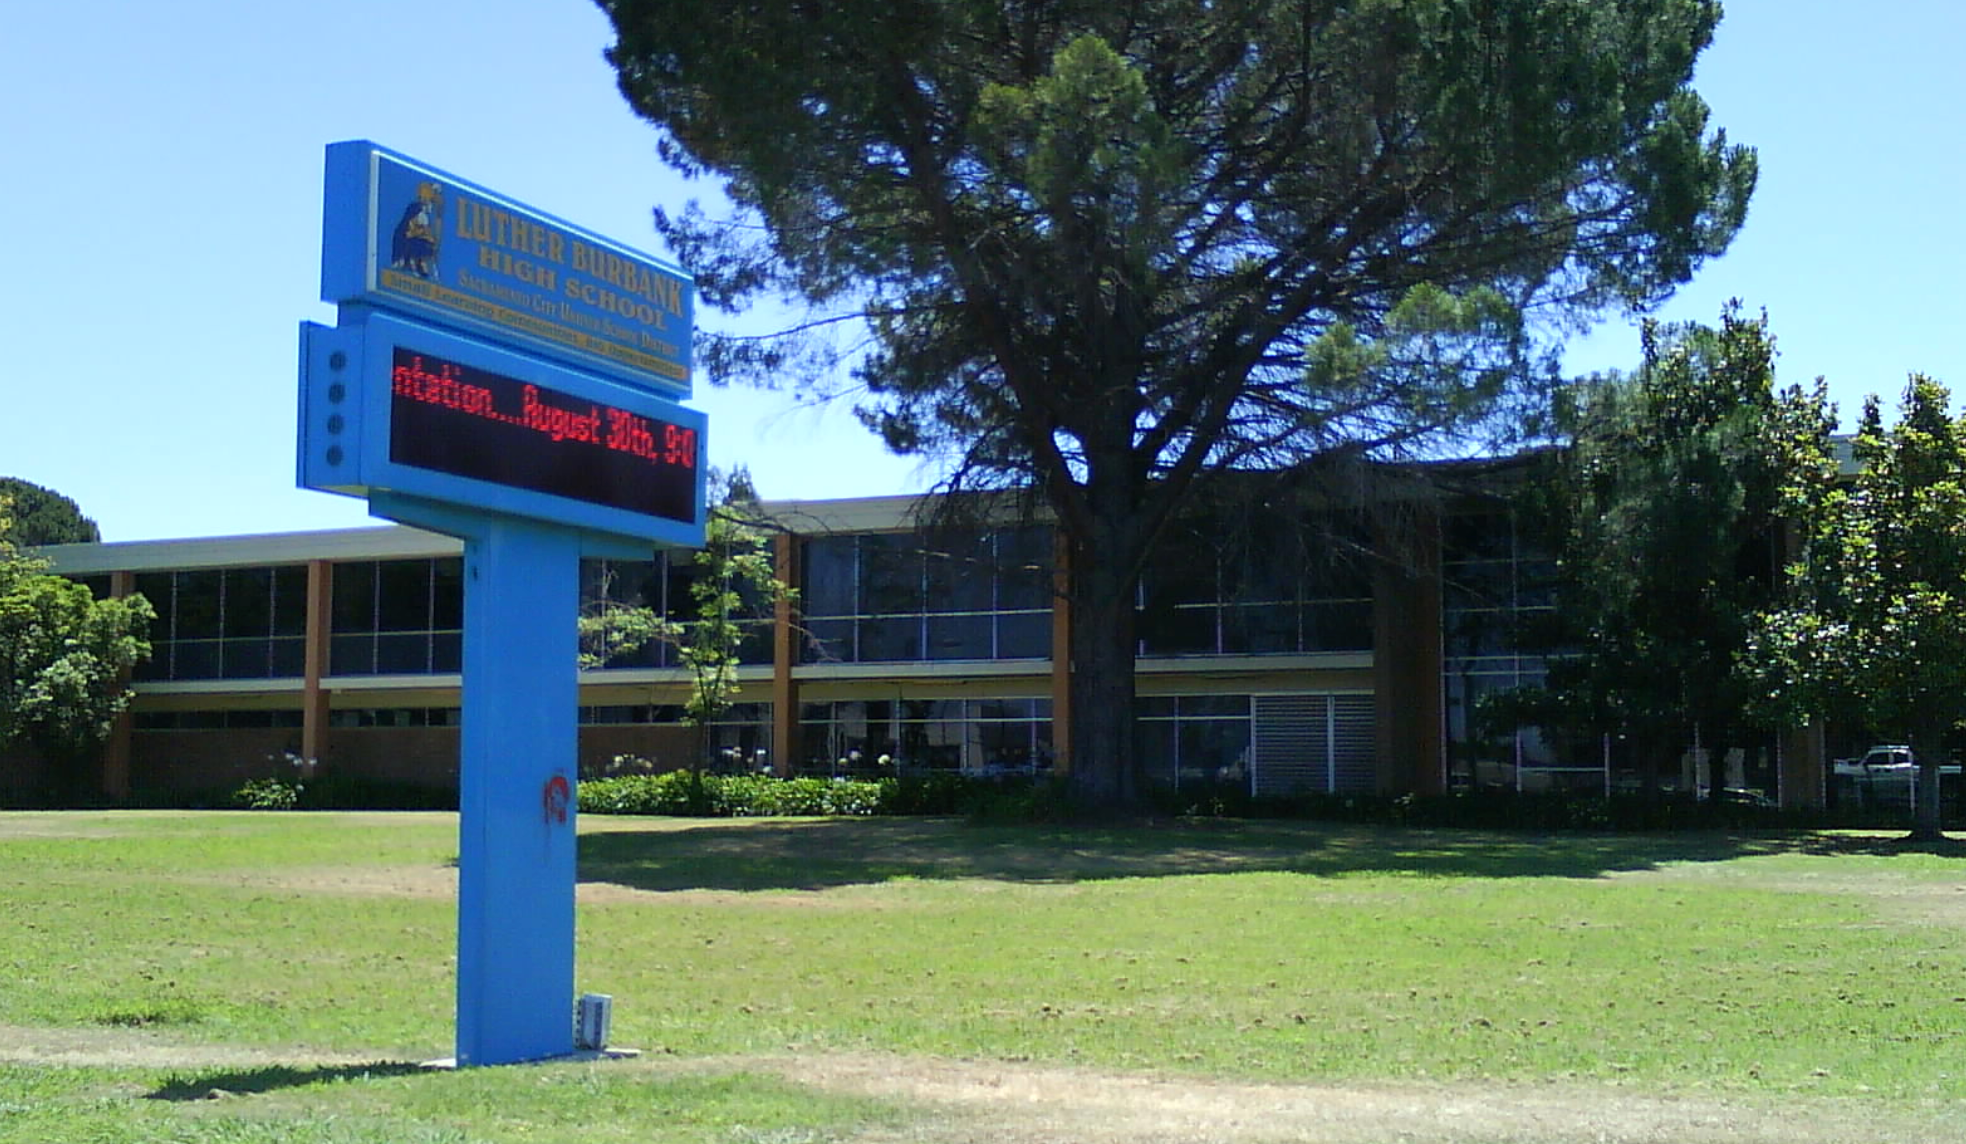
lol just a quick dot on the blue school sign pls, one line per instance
(504, 377)
(403, 235)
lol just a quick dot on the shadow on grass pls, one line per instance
(813, 855)
(243, 1082)
(1877, 846)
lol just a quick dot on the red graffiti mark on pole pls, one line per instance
(554, 799)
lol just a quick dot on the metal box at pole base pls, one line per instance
(592, 1020)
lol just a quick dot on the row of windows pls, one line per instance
(230, 623)
(887, 597)
(866, 598)
(1194, 740)
(912, 736)
(1183, 741)
(292, 717)
(661, 585)
(1497, 603)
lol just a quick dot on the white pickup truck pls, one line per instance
(1885, 761)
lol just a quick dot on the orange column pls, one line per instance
(313, 696)
(784, 657)
(1407, 654)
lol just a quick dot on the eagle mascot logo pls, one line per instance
(413, 244)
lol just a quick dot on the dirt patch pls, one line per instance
(441, 882)
(1899, 897)
(139, 1048)
(35, 824)
(1023, 1104)
(974, 1102)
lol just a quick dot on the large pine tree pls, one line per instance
(1104, 249)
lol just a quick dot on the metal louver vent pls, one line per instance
(1312, 743)
(1352, 746)
(1291, 746)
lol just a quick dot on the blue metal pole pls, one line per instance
(515, 909)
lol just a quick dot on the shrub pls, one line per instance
(683, 794)
(267, 794)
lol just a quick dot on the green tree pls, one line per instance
(1665, 512)
(44, 516)
(64, 659)
(736, 587)
(1878, 619)
(1102, 250)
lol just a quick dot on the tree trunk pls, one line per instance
(1105, 771)
(1927, 747)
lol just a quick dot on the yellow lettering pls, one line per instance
(470, 220)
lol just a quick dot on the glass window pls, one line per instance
(960, 637)
(447, 652)
(352, 654)
(1186, 630)
(755, 647)
(828, 641)
(290, 600)
(354, 597)
(403, 596)
(960, 568)
(1232, 706)
(1216, 748)
(402, 653)
(200, 606)
(196, 659)
(890, 638)
(248, 602)
(1024, 635)
(1259, 629)
(890, 575)
(447, 594)
(1155, 740)
(1345, 626)
(247, 659)
(1003, 709)
(156, 587)
(289, 656)
(1024, 567)
(1183, 572)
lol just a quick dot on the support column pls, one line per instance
(320, 632)
(1802, 766)
(1407, 652)
(515, 915)
(785, 645)
(116, 748)
(1061, 655)
(1802, 773)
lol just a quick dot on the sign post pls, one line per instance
(507, 378)
(515, 924)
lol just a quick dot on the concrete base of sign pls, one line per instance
(576, 1057)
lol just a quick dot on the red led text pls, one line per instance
(441, 383)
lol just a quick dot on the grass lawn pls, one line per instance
(256, 976)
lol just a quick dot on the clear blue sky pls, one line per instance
(162, 201)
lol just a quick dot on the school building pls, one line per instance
(1274, 659)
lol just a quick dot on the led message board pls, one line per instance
(394, 405)
(402, 235)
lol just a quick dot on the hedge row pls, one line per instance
(682, 793)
